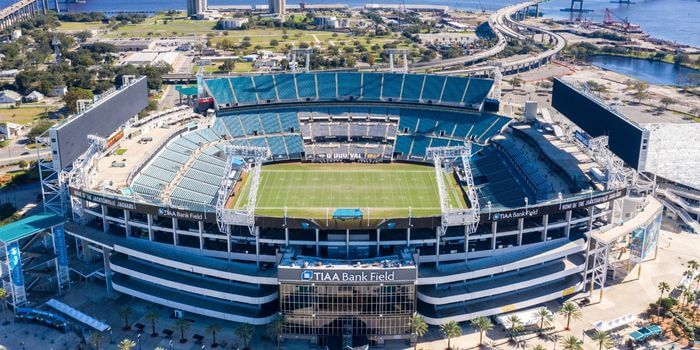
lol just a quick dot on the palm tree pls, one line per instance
(482, 324)
(152, 316)
(693, 265)
(538, 347)
(570, 310)
(544, 317)
(572, 343)
(245, 332)
(184, 325)
(663, 287)
(95, 339)
(603, 339)
(450, 330)
(515, 326)
(125, 312)
(3, 295)
(555, 338)
(491, 345)
(418, 327)
(689, 297)
(212, 329)
(126, 344)
(275, 330)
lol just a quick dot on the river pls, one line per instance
(674, 20)
(653, 72)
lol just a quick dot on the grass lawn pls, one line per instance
(386, 189)
(22, 115)
(160, 25)
(79, 26)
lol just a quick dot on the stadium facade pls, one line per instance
(544, 212)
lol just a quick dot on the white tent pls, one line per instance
(604, 326)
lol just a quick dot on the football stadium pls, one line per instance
(345, 203)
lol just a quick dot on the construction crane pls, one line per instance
(613, 21)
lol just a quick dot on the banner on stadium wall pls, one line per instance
(548, 209)
(644, 240)
(357, 275)
(145, 208)
(15, 264)
(59, 239)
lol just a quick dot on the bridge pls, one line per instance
(19, 11)
(505, 23)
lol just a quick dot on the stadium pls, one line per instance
(345, 203)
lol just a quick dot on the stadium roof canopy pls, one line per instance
(28, 226)
(674, 152)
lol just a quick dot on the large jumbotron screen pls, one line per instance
(628, 140)
(102, 119)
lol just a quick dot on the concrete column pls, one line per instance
(347, 244)
(149, 218)
(567, 229)
(437, 247)
(286, 237)
(174, 230)
(318, 250)
(545, 223)
(127, 227)
(466, 244)
(105, 222)
(201, 235)
(108, 272)
(228, 242)
(521, 224)
(494, 227)
(379, 234)
(408, 237)
(257, 246)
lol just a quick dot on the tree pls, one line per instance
(570, 310)
(212, 329)
(274, 42)
(572, 343)
(538, 347)
(75, 94)
(245, 332)
(603, 339)
(663, 287)
(95, 339)
(666, 101)
(38, 129)
(275, 330)
(515, 81)
(418, 327)
(125, 312)
(184, 325)
(515, 326)
(152, 316)
(126, 344)
(82, 36)
(450, 330)
(544, 317)
(23, 164)
(482, 324)
(228, 66)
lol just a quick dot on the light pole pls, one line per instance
(170, 344)
(138, 339)
(111, 341)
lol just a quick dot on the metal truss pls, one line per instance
(245, 216)
(455, 216)
(294, 65)
(53, 185)
(599, 271)
(404, 55)
(81, 175)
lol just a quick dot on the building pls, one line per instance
(532, 225)
(233, 23)
(58, 91)
(131, 44)
(9, 131)
(326, 22)
(9, 96)
(277, 7)
(9, 73)
(34, 96)
(196, 7)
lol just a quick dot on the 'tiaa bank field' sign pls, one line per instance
(404, 274)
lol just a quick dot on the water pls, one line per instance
(653, 72)
(674, 20)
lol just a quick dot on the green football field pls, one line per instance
(387, 190)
